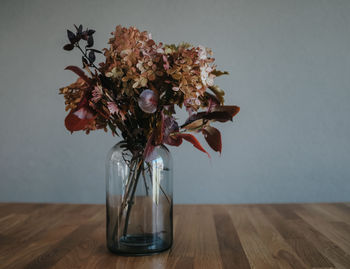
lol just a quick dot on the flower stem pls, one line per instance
(130, 183)
(85, 55)
(131, 201)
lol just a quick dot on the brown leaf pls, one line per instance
(219, 93)
(68, 47)
(213, 137)
(193, 125)
(195, 121)
(219, 73)
(218, 113)
(230, 110)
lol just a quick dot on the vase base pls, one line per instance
(140, 245)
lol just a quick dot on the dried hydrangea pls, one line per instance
(135, 89)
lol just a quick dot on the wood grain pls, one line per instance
(291, 236)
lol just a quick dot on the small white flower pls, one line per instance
(206, 77)
(202, 53)
(210, 80)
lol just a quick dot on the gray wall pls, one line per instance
(290, 72)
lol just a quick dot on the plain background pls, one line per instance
(289, 64)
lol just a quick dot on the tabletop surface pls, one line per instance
(205, 236)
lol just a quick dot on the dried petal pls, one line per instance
(166, 63)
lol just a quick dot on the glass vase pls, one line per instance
(139, 201)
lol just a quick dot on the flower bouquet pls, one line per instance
(134, 92)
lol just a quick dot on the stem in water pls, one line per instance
(139, 168)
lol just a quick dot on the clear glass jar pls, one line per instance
(139, 201)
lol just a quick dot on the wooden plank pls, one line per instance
(60, 249)
(304, 249)
(195, 242)
(336, 231)
(65, 222)
(325, 246)
(258, 254)
(231, 250)
(26, 254)
(282, 253)
(31, 229)
(185, 232)
(339, 211)
(288, 236)
(207, 253)
(18, 208)
(11, 221)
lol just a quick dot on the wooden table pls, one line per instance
(206, 236)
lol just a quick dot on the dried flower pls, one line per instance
(135, 89)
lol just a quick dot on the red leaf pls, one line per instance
(174, 140)
(147, 154)
(190, 138)
(73, 121)
(213, 137)
(79, 72)
(169, 126)
(80, 118)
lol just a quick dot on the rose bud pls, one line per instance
(148, 101)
